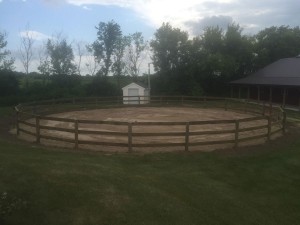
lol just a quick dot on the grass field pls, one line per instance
(254, 185)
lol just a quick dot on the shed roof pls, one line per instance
(284, 72)
(133, 83)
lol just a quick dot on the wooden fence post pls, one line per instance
(284, 122)
(226, 104)
(17, 122)
(269, 128)
(37, 126)
(236, 138)
(34, 110)
(129, 137)
(245, 105)
(76, 133)
(187, 135)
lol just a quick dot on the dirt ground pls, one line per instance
(149, 114)
(152, 114)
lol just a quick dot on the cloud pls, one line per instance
(155, 12)
(86, 8)
(255, 15)
(120, 3)
(197, 27)
(54, 3)
(35, 35)
(250, 14)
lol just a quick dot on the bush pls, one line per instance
(101, 86)
(9, 84)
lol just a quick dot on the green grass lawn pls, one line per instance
(254, 185)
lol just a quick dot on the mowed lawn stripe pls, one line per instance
(68, 187)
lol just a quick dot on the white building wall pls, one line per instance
(141, 94)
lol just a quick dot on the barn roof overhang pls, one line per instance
(284, 72)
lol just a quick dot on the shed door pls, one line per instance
(135, 93)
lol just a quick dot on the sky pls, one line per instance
(77, 19)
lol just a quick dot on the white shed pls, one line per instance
(135, 94)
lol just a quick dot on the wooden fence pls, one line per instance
(32, 120)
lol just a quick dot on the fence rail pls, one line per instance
(32, 120)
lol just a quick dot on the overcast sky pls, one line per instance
(77, 18)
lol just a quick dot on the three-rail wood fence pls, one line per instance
(33, 119)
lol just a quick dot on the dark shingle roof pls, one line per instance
(284, 72)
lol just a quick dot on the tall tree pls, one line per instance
(135, 56)
(44, 62)
(212, 40)
(5, 63)
(108, 35)
(227, 56)
(274, 43)
(169, 54)
(92, 62)
(80, 48)
(226, 52)
(26, 48)
(168, 48)
(118, 67)
(239, 48)
(62, 57)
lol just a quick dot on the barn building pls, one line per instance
(134, 93)
(277, 83)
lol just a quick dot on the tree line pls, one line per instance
(206, 63)
(183, 65)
